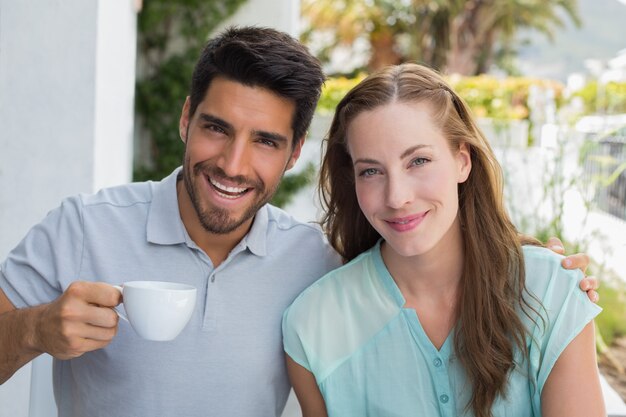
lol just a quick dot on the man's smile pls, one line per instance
(226, 191)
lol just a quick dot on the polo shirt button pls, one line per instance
(437, 362)
(444, 398)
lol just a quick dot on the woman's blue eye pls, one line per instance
(419, 161)
(368, 172)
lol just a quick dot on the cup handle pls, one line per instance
(119, 314)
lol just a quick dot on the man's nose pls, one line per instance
(235, 158)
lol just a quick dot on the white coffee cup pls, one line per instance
(157, 310)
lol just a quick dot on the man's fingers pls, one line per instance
(555, 245)
(589, 283)
(80, 346)
(593, 296)
(577, 261)
(89, 333)
(75, 339)
(101, 316)
(97, 293)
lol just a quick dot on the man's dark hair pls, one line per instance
(262, 57)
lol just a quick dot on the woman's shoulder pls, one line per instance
(560, 310)
(543, 270)
(338, 287)
(337, 315)
(555, 290)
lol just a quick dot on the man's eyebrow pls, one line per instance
(204, 117)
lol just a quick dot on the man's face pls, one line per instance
(239, 143)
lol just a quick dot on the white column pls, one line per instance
(67, 71)
(116, 55)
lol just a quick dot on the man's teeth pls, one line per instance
(232, 191)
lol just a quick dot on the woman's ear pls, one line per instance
(464, 161)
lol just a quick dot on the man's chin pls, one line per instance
(220, 227)
(222, 221)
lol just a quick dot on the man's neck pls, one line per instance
(216, 246)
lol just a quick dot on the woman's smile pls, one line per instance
(408, 223)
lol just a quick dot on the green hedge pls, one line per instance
(335, 88)
(611, 322)
(607, 98)
(487, 96)
(504, 99)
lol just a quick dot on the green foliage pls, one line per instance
(609, 98)
(487, 96)
(292, 183)
(611, 322)
(464, 37)
(335, 88)
(159, 102)
(500, 98)
(171, 36)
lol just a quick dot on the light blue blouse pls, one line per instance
(371, 357)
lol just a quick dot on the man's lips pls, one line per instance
(402, 224)
(227, 191)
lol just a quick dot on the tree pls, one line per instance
(460, 36)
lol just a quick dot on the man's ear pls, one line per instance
(183, 125)
(295, 154)
(464, 160)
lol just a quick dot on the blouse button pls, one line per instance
(444, 398)
(437, 362)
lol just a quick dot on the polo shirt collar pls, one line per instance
(165, 226)
(256, 238)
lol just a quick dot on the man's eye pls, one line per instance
(268, 142)
(216, 128)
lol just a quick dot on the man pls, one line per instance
(253, 94)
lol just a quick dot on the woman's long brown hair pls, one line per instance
(488, 328)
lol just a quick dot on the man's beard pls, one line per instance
(215, 219)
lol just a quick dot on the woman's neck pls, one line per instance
(431, 275)
(430, 283)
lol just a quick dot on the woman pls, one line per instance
(441, 310)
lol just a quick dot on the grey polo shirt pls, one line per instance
(228, 361)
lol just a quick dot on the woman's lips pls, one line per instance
(404, 224)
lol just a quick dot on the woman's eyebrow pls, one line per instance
(365, 161)
(412, 149)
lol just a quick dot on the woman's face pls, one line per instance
(406, 176)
